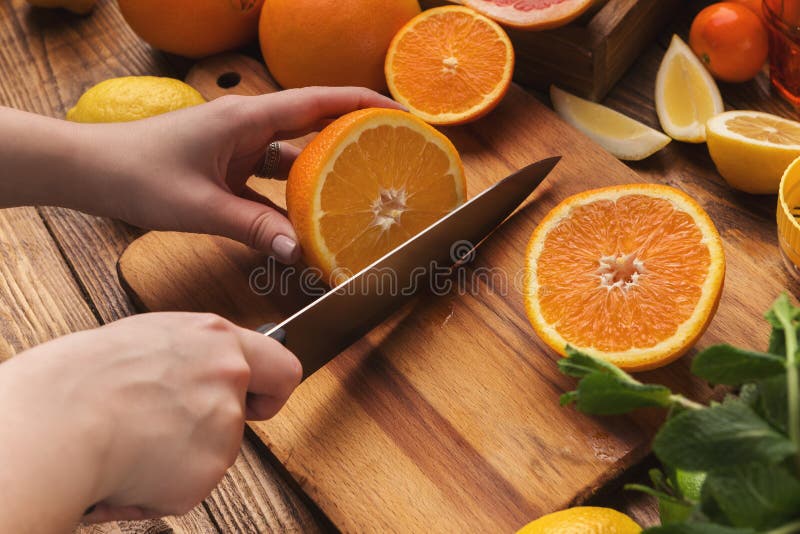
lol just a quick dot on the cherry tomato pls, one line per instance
(730, 40)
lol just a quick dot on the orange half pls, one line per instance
(450, 65)
(630, 274)
(366, 184)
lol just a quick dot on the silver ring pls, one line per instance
(272, 158)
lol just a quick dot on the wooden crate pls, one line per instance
(590, 55)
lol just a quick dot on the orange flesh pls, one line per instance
(620, 274)
(460, 58)
(383, 189)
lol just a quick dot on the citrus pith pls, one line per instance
(366, 184)
(631, 274)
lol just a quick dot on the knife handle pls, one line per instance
(277, 335)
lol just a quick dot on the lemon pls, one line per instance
(624, 137)
(583, 520)
(751, 149)
(132, 98)
(81, 7)
(686, 94)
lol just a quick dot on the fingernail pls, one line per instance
(285, 249)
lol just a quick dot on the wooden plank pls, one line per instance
(47, 59)
(447, 417)
(40, 299)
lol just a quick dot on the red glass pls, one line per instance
(783, 26)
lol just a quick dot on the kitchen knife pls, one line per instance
(330, 324)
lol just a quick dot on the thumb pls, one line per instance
(257, 225)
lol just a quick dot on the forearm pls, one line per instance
(46, 478)
(46, 161)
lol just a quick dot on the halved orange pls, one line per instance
(631, 274)
(531, 14)
(450, 65)
(366, 184)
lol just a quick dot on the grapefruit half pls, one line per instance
(531, 14)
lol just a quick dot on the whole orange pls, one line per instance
(308, 42)
(193, 28)
(754, 6)
(730, 40)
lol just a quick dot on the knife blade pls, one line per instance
(319, 332)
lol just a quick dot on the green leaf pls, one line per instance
(777, 342)
(755, 495)
(604, 394)
(568, 398)
(773, 401)
(697, 528)
(782, 312)
(724, 364)
(578, 364)
(715, 437)
(748, 394)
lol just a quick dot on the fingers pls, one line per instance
(297, 112)
(257, 225)
(274, 374)
(103, 513)
(289, 154)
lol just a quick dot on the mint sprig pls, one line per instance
(748, 446)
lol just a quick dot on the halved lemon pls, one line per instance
(366, 184)
(686, 94)
(624, 137)
(631, 274)
(752, 149)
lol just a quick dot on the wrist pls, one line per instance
(54, 162)
(50, 449)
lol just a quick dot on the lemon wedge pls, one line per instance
(686, 94)
(624, 137)
(751, 149)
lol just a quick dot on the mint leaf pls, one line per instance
(773, 401)
(603, 394)
(782, 312)
(578, 364)
(697, 528)
(605, 389)
(716, 437)
(724, 364)
(755, 495)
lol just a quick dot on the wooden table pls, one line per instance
(58, 269)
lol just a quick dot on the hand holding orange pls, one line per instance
(366, 184)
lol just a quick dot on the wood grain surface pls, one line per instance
(52, 284)
(447, 417)
(59, 266)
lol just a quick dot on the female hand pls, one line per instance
(142, 416)
(188, 170)
(184, 171)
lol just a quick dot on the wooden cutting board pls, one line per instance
(445, 418)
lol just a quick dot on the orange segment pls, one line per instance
(450, 65)
(631, 274)
(366, 184)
